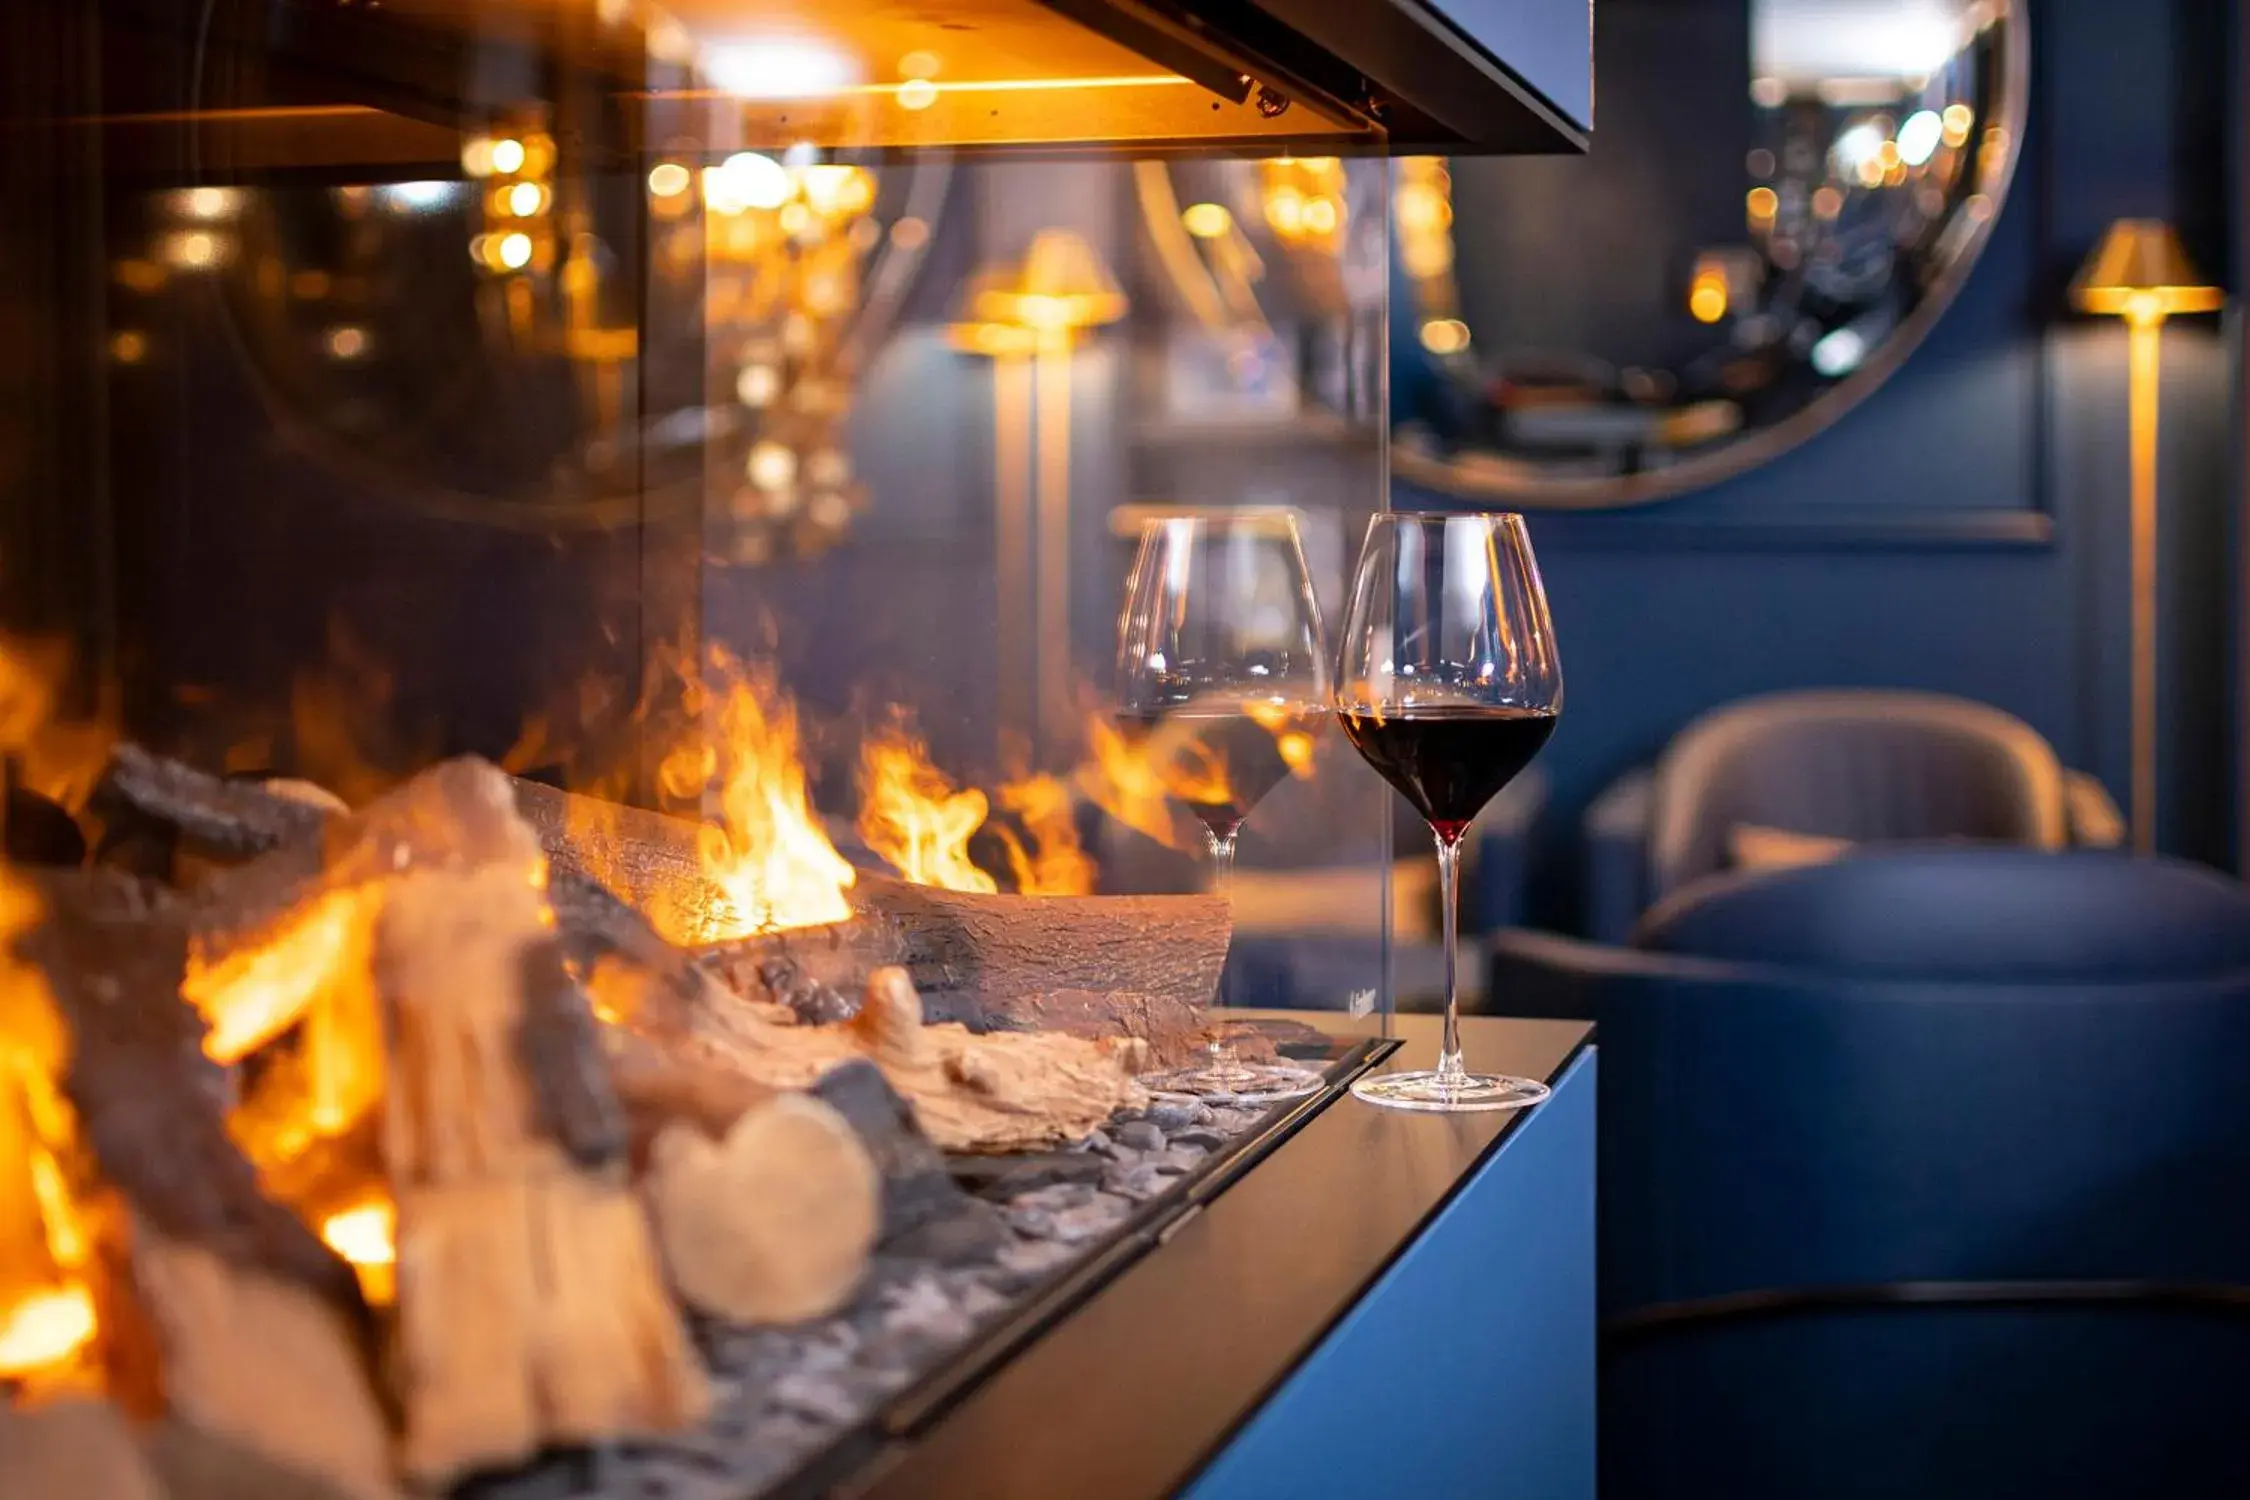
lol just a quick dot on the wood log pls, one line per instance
(149, 1102)
(217, 1306)
(531, 1307)
(683, 1079)
(271, 935)
(203, 814)
(772, 1223)
(71, 1449)
(255, 1361)
(1094, 966)
(970, 1093)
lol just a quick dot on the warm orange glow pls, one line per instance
(253, 994)
(1761, 204)
(58, 758)
(1117, 778)
(2150, 304)
(1055, 864)
(1291, 729)
(1445, 336)
(44, 1330)
(366, 1234)
(768, 860)
(972, 86)
(1206, 221)
(912, 816)
(1707, 296)
(46, 1312)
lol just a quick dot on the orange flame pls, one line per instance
(767, 856)
(1122, 781)
(46, 1308)
(252, 995)
(365, 1233)
(1055, 864)
(911, 815)
(58, 758)
(1292, 731)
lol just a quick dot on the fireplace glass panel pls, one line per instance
(393, 383)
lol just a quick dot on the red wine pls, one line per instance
(1218, 759)
(1450, 761)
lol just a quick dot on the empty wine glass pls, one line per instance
(1222, 676)
(1448, 685)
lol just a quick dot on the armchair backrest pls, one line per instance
(1859, 764)
(1953, 1067)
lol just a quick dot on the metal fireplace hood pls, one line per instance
(1460, 76)
(1310, 77)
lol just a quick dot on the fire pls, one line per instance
(251, 996)
(1291, 731)
(911, 815)
(1135, 788)
(767, 856)
(366, 1234)
(1055, 864)
(46, 1310)
(45, 1329)
(58, 758)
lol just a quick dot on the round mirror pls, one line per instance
(1781, 199)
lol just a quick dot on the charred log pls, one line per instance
(218, 1307)
(207, 815)
(1094, 966)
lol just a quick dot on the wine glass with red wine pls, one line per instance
(1222, 685)
(1448, 685)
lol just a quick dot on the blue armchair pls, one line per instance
(1863, 765)
(1922, 1173)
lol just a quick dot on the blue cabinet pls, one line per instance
(1468, 1369)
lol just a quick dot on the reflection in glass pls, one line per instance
(1783, 216)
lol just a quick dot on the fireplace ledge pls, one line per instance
(1287, 1318)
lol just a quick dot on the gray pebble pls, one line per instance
(1091, 1220)
(822, 1399)
(1033, 1258)
(1055, 1196)
(1140, 1182)
(1172, 1114)
(1139, 1135)
(1209, 1140)
(1098, 1142)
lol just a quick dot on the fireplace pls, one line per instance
(579, 914)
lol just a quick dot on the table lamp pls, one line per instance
(2140, 272)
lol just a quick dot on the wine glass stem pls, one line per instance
(1222, 860)
(1449, 1064)
(1222, 1056)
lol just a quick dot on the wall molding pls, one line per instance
(1928, 529)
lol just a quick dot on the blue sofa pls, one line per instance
(1922, 1173)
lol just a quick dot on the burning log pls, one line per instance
(218, 1307)
(222, 820)
(531, 1306)
(1092, 966)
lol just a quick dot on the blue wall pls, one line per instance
(1964, 529)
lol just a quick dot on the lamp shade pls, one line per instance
(2140, 270)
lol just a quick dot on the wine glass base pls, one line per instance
(1448, 1094)
(1235, 1083)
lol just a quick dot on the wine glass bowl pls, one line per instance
(1448, 684)
(1221, 669)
